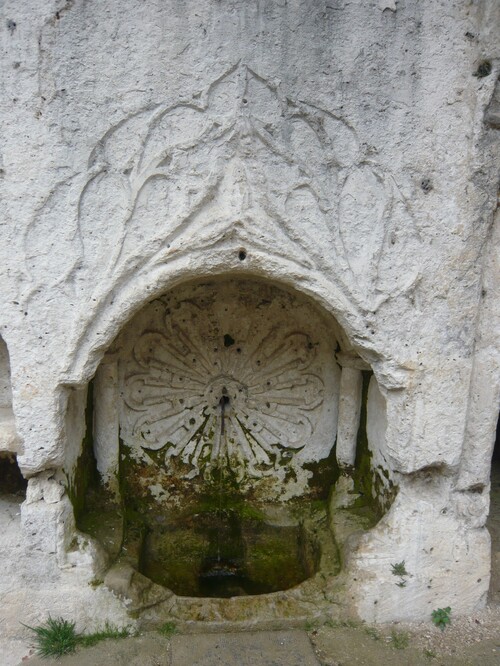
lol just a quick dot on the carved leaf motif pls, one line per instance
(362, 210)
(104, 206)
(224, 97)
(51, 242)
(398, 264)
(344, 148)
(257, 145)
(120, 148)
(240, 161)
(179, 128)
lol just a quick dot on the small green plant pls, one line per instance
(373, 633)
(430, 654)
(441, 617)
(399, 639)
(55, 638)
(399, 569)
(58, 637)
(95, 582)
(109, 631)
(168, 629)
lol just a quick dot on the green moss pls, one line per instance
(213, 504)
(85, 474)
(167, 629)
(96, 582)
(362, 474)
(324, 475)
(375, 496)
(272, 562)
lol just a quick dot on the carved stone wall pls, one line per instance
(347, 151)
(239, 376)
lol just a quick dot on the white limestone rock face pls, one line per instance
(349, 151)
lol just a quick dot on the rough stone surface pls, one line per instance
(345, 151)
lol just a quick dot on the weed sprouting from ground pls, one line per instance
(58, 637)
(55, 638)
(399, 640)
(373, 633)
(441, 617)
(109, 631)
(167, 629)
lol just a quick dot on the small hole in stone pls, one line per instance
(426, 185)
(483, 69)
(242, 255)
(228, 340)
(192, 421)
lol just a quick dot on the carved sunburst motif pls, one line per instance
(231, 404)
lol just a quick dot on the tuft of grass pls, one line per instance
(399, 639)
(55, 638)
(167, 629)
(109, 631)
(430, 654)
(58, 637)
(373, 633)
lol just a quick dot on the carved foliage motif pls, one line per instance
(195, 392)
(242, 161)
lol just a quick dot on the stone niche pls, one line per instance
(12, 483)
(231, 425)
(9, 439)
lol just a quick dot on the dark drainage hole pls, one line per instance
(242, 255)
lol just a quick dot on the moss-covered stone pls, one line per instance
(85, 473)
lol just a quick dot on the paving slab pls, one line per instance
(264, 648)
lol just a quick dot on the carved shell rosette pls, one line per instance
(249, 406)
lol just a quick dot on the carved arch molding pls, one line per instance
(242, 162)
(236, 375)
